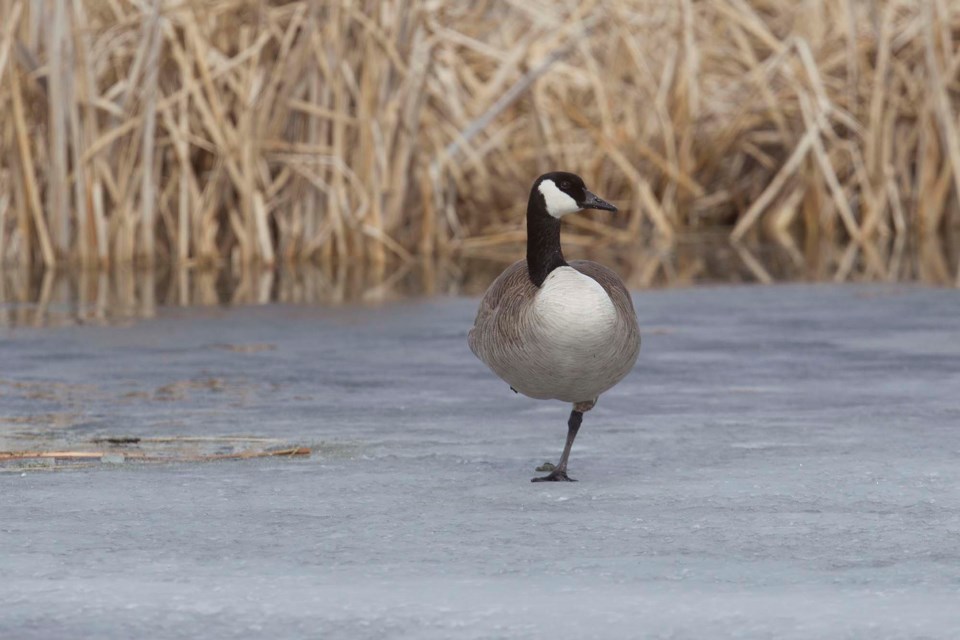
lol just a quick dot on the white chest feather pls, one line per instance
(574, 312)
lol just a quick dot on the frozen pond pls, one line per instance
(782, 463)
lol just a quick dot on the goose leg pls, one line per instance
(559, 474)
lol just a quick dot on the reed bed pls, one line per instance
(235, 131)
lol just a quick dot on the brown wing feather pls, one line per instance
(610, 282)
(499, 315)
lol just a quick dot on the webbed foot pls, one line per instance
(557, 475)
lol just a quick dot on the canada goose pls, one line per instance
(553, 329)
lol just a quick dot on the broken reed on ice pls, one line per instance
(242, 131)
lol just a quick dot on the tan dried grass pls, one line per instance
(236, 131)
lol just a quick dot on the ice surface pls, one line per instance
(783, 463)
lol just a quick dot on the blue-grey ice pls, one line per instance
(784, 462)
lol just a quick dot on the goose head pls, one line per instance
(563, 193)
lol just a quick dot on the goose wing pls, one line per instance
(612, 284)
(500, 320)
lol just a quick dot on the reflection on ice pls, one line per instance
(48, 298)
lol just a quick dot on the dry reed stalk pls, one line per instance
(790, 167)
(28, 175)
(377, 131)
(4, 202)
(946, 115)
(80, 184)
(58, 79)
(148, 161)
(6, 40)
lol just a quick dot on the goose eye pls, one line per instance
(565, 184)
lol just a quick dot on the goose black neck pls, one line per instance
(543, 240)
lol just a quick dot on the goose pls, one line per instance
(552, 329)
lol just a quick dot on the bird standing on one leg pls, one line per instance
(553, 329)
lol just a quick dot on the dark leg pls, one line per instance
(560, 473)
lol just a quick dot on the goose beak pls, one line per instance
(592, 201)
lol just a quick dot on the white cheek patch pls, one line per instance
(558, 203)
